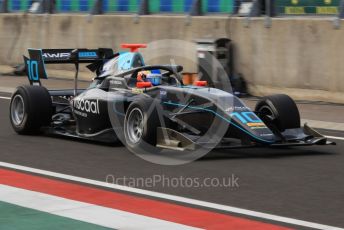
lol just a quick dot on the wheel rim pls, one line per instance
(135, 125)
(267, 111)
(17, 110)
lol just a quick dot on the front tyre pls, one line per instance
(30, 109)
(280, 111)
(140, 124)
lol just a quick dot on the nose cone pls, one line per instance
(248, 122)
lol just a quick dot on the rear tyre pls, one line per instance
(140, 124)
(30, 109)
(280, 111)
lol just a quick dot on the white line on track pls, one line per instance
(337, 138)
(174, 198)
(6, 98)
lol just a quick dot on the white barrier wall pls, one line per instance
(300, 56)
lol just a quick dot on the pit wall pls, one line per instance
(300, 56)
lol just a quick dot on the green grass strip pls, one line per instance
(15, 217)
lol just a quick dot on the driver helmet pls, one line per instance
(154, 78)
(150, 76)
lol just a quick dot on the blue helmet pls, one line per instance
(154, 78)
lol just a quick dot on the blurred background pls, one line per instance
(283, 7)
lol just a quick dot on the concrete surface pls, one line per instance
(299, 55)
(303, 183)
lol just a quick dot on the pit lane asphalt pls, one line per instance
(304, 183)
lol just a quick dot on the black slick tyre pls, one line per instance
(30, 109)
(280, 111)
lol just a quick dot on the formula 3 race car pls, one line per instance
(141, 105)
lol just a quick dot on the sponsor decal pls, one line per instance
(237, 108)
(250, 119)
(67, 55)
(115, 82)
(163, 94)
(246, 117)
(56, 55)
(88, 106)
(80, 113)
(87, 55)
(294, 10)
(327, 10)
(255, 124)
(259, 127)
(265, 134)
(137, 91)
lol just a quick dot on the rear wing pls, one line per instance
(71, 55)
(35, 65)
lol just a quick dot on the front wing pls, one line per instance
(171, 139)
